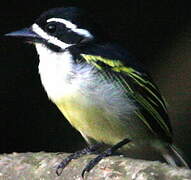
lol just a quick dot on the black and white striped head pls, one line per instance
(59, 28)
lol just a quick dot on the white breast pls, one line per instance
(55, 70)
(61, 78)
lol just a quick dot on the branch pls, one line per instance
(38, 166)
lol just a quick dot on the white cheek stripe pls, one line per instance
(49, 38)
(72, 26)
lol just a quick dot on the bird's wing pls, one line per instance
(140, 87)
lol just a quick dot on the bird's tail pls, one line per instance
(174, 156)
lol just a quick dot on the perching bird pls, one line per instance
(105, 93)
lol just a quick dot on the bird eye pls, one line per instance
(51, 28)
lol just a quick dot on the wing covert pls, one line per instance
(140, 87)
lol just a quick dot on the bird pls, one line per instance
(102, 90)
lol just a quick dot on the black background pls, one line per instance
(156, 32)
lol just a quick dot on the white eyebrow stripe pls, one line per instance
(51, 39)
(67, 23)
(83, 32)
(72, 26)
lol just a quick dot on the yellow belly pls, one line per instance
(91, 120)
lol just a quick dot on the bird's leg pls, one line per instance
(107, 152)
(76, 155)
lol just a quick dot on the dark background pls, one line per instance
(156, 32)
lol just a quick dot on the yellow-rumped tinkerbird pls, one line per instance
(105, 93)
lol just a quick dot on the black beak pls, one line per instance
(31, 37)
(25, 33)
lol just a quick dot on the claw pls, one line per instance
(59, 170)
(107, 152)
(93, 163)
(76, 155)
(83, 173)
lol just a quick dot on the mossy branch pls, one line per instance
(42, 166)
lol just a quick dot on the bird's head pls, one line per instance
(59, 28)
